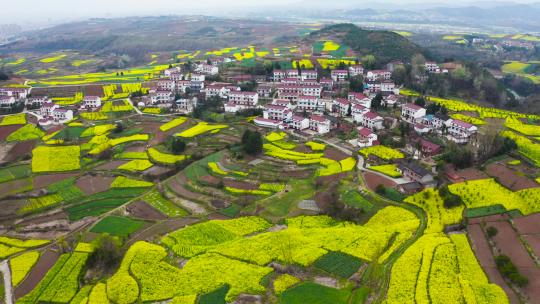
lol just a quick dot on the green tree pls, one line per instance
(252, 142)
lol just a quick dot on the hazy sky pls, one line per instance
(37, 11)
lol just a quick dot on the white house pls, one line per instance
(319, 124)
(62, 115)
(161, 97)
(327, 83)
(378, 75)
(17, 93)
(412, 113)
(356, 70)
(6, 101)
(185, 105)
(170, 71)
(308, 75)
(166, 85)
(264, 90)
(460, 131)
(276, 112)
(388, 86)
(207, 69)
(292, 73)
(391, 100)
(268, 123)
(249, 99)
(278, 75)
(366, 137)
(309, 103)
(47, 109)
(372, 121)
(197, 77)
(91, 102)
(343, 105)
(435, 122)
(360, 98)
(283, 103)
(38, 100)
(339, 75)
(432, 67)
(299, 122)
(177, 76)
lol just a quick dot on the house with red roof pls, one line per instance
(356, 70)
(339, 75)
(460, 131)
(299, 122)
(412, 113)
(371, 120)
(366, 137)
(319, 124)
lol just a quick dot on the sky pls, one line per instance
(40, 11)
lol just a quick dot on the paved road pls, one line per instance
(4, 268)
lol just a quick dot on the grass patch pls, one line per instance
(231, 211)
(485, 211)
(313, 293)
(118, 226)
(215, 297)
(355, 199)
(14, 172)
(94, 208)
(340, 264)
(156, 200)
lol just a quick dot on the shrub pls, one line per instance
(491, 231)
(510, 271)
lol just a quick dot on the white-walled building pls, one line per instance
(276, 112)
(17, 93)
(366, 137)
(356, 70)
(378, 75)
(91, 102)
(319, 124)
(299, 123)
(186, 106)
(308, 75)
(412, 113)
(161, 97)
(249, 99)
(207, 69)
(309, 103)
(360, 98)
(339, 75)
(38, 100)
(372, 121)
(7, 101)
(166, 85)
(460, 131)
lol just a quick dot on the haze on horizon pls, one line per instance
(54, 11)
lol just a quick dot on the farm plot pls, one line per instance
(56, 159)
(441, 269)
(201, 128)
(118, 226)
(340, 264)
(309, 292)
(61, 282)
(14, 172)
(156, 200)
(382, 152)
(10, 246)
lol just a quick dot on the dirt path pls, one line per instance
(4, 268)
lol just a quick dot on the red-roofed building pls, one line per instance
(371, 120)
(91, 102)
(339, 75)
(460, 131)
(366, 137)
(276, 112)
(412, 113)
(378, 75)
(308, 75)
(268, 123)
(356, 70)
(248, 99)
(299, 122)
(319, 124)
(360, 98)
(309, 103)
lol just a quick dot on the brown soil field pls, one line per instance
(135, 149)
(45, 262)
(21, 149)
(240, 185)
(509, 178)
(15, 186)
(218, 216)
(482, 251)
(156, 171)
(373, 180)
(489, 218)
(161, 228)
(472, 174)
(507, 241)
(534, 241)
(6, 130)
(42, 181)
(111, 165)
(528, 224)
(177, 186)
(142, 210)
(298, 174)
(94, 184)
(9, 208)
(210, 180)
(44, 218)
(334, 154)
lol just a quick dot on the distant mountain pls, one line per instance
(384, 45)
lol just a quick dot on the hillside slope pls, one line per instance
(384, 45)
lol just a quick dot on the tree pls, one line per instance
(3, 76)
(349, 110)
(420, 101)
(377, 101)
(491, 231)
(450, 200)
(118, 128)
(106, 256)
(177, 145)
(369, 61)
(252, 142)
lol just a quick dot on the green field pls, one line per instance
(340, 264)
(69, 133)
(529, 70)
(485, 211)
(354, 199)
(95, 208)
(14, 172)
(118, 226)
(313, 293)
(215, 297)
(231, 211)
(156, 200)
